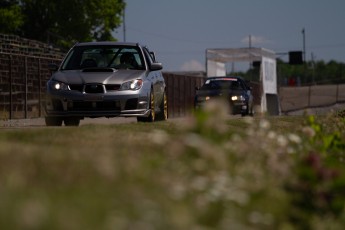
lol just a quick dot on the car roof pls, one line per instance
(107, 43)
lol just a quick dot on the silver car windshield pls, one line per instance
(118, 57)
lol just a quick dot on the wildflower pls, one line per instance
(294, 138)
(282, 141)
(264, 124)
(271, 134)
(310, 132)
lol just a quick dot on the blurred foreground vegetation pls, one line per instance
(205, 172)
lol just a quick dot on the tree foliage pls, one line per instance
(310, 73)
(64, 22)
(11, 18)
(313, 72)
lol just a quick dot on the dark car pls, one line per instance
(106, 79)
(234, 90)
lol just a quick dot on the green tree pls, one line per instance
(11, 17)
(65, 22)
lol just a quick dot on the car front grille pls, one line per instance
(95, 106)
(95, 88)
(112, 87)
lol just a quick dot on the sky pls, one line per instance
(180, 31)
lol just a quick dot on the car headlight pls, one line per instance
(132, 85)
(56, 85)
(237, 98)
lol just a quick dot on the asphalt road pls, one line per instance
(39, 122)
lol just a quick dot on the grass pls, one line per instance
(205, 172)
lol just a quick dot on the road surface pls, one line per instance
(39, 122)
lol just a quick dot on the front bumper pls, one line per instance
(130, 104)
(236, 107)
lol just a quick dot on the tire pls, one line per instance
(72, 121)
(152, 116)
(53, 121)
(163, 115)
(245, 113)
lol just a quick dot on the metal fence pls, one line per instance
(181, 93)
(22, 85)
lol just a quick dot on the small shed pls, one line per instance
(216, 60)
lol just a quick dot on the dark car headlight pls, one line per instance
(238, 98)
(132, 85)
(56, 85)
(201, 99)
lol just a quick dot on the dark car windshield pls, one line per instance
(221, 84)
(103, 56)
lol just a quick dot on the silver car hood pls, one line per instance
(94, 76)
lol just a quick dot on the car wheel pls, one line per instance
(72, 121)
(152, 116)
(164, 108)
(246, 112)
(53, 121)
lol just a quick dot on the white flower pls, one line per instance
(294, 138)
(310, 132)
(282, 141)
(271, 135)
(264, 124)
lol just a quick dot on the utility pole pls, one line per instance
(313, 65)
(304, 55)
(304, 51)
(251, 61)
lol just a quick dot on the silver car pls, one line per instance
(106, 79)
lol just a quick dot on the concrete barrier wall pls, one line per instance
(296, 98)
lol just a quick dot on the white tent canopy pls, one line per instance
(238, 55)
(215, 66)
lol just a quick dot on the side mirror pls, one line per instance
(153, 55)
(53, 67)
(156, 66)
